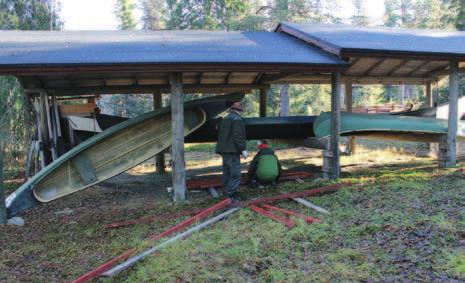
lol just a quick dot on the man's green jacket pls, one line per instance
(231, 134)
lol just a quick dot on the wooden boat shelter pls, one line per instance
(52, 64)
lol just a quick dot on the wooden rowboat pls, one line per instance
(404, 128)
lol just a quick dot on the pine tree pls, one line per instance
(360, 18)
(399, 13)
(154, 14)
(124, 13)
(458, 17)
(23, 15)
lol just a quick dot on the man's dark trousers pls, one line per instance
(231, 172)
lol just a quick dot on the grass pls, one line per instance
(402, 220)
(393, 228)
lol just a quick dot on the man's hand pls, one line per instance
(245, 154)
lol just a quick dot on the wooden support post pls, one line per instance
(263, 101)
(428, 94)
(349, 105)
(450, 154)
(159, 158)
(331, 167)
(177, 148)
(436, 93)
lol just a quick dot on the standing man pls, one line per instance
(231, 144)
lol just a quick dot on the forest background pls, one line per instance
(16, 131)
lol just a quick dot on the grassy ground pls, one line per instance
(402, 220)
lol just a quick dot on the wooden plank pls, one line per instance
(311, 205)
(159, 158)
(306, 193)
(177, 148)
(263, 101)
(286, 221)
(307, 219)
(109, 264)
(77, 109)
(426, 62)
(374, 66)
(397, 67)
(130, 262)
(451, 154)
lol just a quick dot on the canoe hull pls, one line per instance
(391, 127)
(103, 156)
(114, 155)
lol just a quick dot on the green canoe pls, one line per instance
(404, 128)
(112, 152)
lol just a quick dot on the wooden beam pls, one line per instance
(450, 157)
(177, 148)
(397, 67)
(77, 109)
(374, 66)
(274, 78)
(210, 88)
(355, 61)
(332, 162)
(199, 78)
(159, 68)
(228, 78)
(428, 94)
(387, 79)
(263, 101)
(159, 158)
(258, 78)
(426, 62)
(439, 71)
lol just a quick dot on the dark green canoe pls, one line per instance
(404, 128)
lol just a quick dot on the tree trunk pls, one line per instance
(2, 192)
(284, 100)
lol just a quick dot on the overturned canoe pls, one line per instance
(404, 128)
(102, 157)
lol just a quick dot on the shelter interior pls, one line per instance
(90, 63)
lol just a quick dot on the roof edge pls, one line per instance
(322, 44)
(34, 69)
(349, 52)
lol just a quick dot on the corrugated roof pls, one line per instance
(341, 39)
(156, 47)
